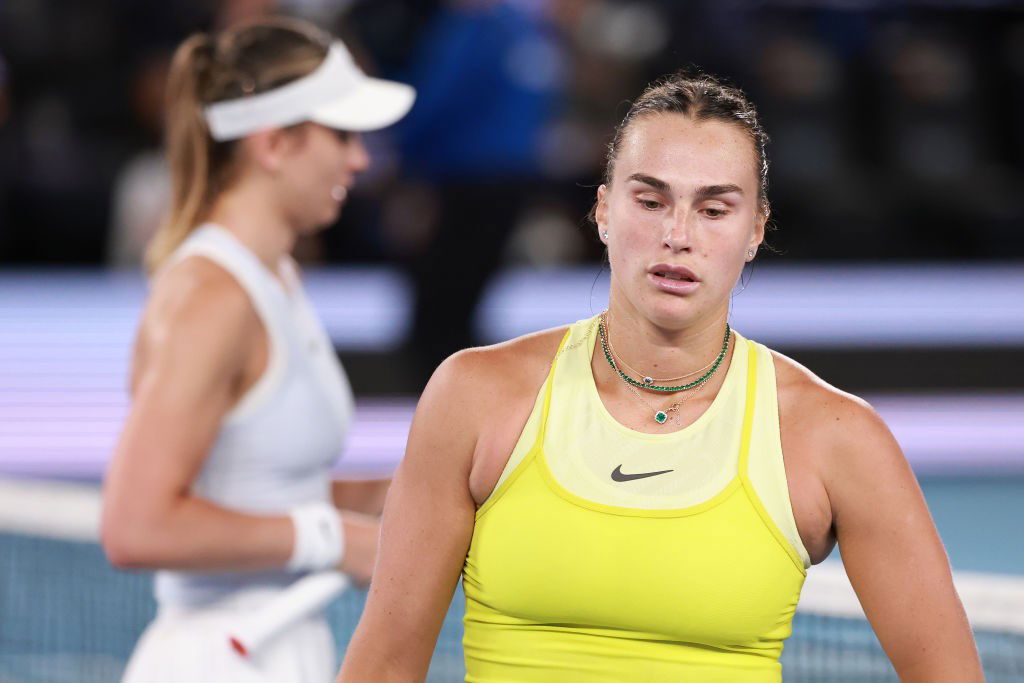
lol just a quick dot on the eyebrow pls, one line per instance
(649, 180)
(709, 191)
(705, 192)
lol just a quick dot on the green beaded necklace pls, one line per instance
(647, 383)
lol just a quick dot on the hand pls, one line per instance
(361, 535)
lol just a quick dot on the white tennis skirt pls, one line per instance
(190, 645)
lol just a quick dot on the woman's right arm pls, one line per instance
(195, 338)
(426, 530)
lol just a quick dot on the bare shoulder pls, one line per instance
(196, 306)
(197, 285)
(199, 294)
(843, 431)
(891, 550)
(477, 401)
(830, 413)
(504, 369)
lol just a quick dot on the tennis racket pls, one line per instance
(309, 594)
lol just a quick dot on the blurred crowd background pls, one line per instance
(896, 128)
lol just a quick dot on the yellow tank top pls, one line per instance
(691, 574)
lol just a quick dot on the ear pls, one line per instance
(269, 148)
(601, 212)
(759, 226)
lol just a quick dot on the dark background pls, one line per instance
(895, 126)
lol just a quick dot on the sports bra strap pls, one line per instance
(547, 391)
(748, 410)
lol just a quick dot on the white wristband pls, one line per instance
(319, 537)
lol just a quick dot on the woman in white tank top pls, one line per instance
(221, 477)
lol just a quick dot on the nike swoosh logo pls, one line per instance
(619, 475)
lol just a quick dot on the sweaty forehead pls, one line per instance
(685, 152)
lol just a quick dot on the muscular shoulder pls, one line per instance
(198, 293)
(476, 388)
(198, 285)
(196, 311)
(844, 434)
(502, 372)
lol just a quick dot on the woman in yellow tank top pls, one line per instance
(614, 494)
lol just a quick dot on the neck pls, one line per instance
(661, 352)
(250, 214)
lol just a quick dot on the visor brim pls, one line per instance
(374, 104)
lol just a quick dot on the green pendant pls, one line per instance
(660, 417)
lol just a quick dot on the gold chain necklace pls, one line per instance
(661, 416)
(648, 380)
(576, 344)
(603, 334)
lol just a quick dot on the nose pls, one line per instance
(679, 230)
(358, 157)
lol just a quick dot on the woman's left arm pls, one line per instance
(891, 549)
(360, 495)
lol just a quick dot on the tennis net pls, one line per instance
(66, 615)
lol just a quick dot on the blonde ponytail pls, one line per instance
(189, 147)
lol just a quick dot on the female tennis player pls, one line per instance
(221, 478)
(614, 493)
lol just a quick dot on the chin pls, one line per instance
(331, 216)
(666, 310)
(672, 317)
(675, 312)
(322, 223)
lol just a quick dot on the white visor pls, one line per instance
(336, 94)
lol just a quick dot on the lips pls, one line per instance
(673, 279)
(671, 272)
(674, 276)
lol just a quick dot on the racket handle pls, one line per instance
(309, 594)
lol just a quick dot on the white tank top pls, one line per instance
(276, 447)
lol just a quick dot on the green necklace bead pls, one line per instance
(654, 387)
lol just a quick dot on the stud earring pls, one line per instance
(750, 254)
(604, 234)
